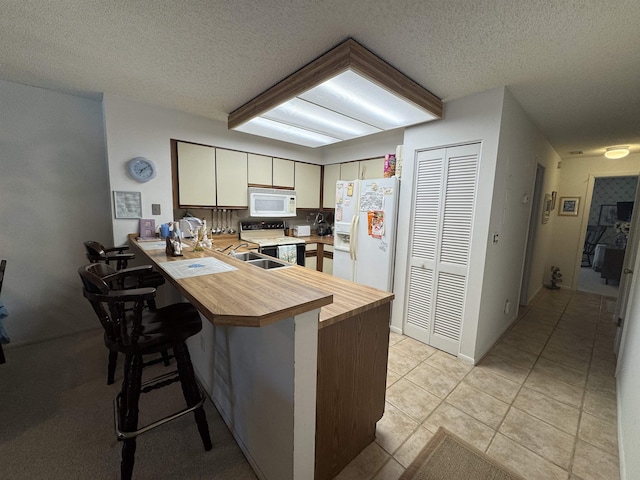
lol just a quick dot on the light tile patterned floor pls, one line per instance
(542, 402)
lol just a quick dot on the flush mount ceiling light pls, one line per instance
(346, 93)
(616, 152)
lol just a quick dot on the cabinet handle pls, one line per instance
(628, 271)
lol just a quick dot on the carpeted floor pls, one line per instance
(56, 421)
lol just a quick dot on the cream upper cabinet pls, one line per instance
(373, 168)
(260, 170)
(283, 173)
(196, 175)
(349, 171)
(331, 176)
(231, 167)
(307, 185)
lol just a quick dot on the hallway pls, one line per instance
(542, 402)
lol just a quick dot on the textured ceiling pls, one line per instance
(574, 65)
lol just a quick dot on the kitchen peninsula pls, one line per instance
(295, 360)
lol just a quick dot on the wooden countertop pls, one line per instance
(326, 240)
(251, 296)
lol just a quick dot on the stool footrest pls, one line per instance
(154, 383)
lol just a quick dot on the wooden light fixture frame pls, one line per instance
(347, 55)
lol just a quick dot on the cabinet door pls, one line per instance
(307, 185)
(260, 170)
(283, 173)
(327, 264)
(310, 262)
(373, 168)
(349, 171)
(231, 168)
(196, 175)
(331, 176)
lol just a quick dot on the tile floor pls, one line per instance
(542, 402)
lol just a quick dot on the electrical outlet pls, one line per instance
(155, 209)
(495, 238)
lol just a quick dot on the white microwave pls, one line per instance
(271, 202)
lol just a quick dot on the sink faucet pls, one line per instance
(225, 249)
(244, 244)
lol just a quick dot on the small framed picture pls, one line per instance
(608, 215)
(548, 202)
(127, 204)
(569, 206)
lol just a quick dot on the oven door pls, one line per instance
(272, 251)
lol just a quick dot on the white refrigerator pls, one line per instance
(365, 231)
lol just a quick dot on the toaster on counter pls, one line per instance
(301, 231)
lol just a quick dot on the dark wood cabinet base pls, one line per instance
(352, 376)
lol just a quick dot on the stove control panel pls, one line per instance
(268, 225)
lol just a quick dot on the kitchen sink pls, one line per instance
(268, 264)
(246, 256)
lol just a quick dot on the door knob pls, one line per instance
(627, 271)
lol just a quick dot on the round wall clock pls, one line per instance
(141, 169)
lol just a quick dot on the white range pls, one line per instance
(270, 237)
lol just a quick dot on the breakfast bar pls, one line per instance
(294, 359)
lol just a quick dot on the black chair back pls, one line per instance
(121, 321)
(96, 252)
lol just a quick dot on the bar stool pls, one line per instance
(97, 253)
(138, 332)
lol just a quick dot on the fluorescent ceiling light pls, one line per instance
(616, 152)
(264, 127)
(346, 93)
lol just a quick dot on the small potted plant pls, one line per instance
(556, 277)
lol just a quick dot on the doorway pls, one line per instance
(612, 200)
(534, 218)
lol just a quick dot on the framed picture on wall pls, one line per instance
(127, 204)
(569, 206)
(548, 202)
(608, 215)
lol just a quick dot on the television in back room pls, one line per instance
(624, 210)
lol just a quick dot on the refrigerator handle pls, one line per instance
(354, 237)
(351, 237)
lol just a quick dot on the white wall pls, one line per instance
(576, 179)
(511, 149)
(542, 242)
(135, 129)
(53, 196)
(472, 119)
(521, 148)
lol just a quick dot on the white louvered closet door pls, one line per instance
(440, 244)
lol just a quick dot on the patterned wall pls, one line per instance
(608, 191)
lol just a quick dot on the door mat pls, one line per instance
(447, 457)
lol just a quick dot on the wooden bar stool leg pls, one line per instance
(191, 392)
(111, 367)
(165, 358)
(129, 412)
